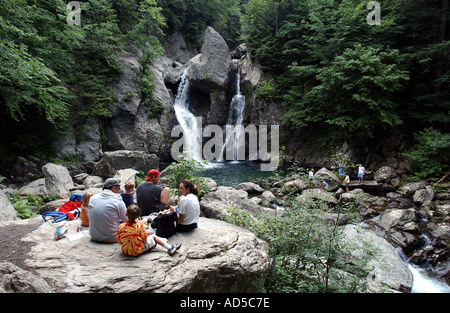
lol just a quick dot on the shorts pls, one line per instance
(149, 245)
(360, 175)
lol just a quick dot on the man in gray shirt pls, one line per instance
(106, 211)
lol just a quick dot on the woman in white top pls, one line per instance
(189, 207)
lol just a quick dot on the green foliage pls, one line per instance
(307, 253)
(344, 79)
(147, 87)
(266, 89)
(191, 17)
(186, 169)
(146, 32)
(362, 78)
(25, 79)
(26, 206)
(97, 63)
(430, 156)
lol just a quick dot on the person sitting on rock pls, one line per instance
(150, 197)
(106, 211)
(84, 209)
(189, 207)
(135, 240)
(127, 196)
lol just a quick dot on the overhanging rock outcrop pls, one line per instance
(215, 257)
(209, 71)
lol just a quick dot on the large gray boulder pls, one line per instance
(250, 187)
(215, 257)
(36, 187)
(331, 178)
(57, 179)
(410, 189)
(7, 211)
(424, 196)
(210, 71)
(218, 203)
(111, 162)
(385, 174)
(396, 217)
(387, 271)
(309, 195)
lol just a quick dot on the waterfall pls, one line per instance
(422, 282)
(234, 127)
(188, 122)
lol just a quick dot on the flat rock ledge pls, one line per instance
(217, 257)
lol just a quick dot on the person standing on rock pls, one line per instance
(341, 170)
(106, 211)
(361, 173)
(150, 197)
(189, 207)
(311, 178)
(346, 182)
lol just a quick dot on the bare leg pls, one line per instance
(165, 194)
(158, 240)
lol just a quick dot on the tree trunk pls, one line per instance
(440, 60)
(277, 15)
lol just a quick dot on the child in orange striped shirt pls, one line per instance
(135, 240)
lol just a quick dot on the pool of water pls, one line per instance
(235, 172)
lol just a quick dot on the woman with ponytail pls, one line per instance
(189, 207)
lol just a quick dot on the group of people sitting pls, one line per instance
(113, 216)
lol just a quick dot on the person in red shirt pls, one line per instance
(134, 238)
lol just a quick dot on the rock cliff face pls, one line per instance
(211, 74)
(215, 257)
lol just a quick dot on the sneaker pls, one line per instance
(174, 248)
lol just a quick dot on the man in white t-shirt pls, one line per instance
(361, 173)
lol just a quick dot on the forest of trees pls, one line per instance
(337, 76)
